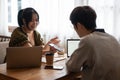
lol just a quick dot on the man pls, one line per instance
(98, 55)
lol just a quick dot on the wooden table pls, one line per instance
(32, 73)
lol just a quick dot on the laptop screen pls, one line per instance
(72, 45)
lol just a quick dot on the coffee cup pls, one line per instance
(49, 59)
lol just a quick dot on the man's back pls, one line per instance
(99, 55)
(105, 57)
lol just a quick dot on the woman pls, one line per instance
(26, 35)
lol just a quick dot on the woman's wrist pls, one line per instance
(49, 42)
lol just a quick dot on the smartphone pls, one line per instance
(54, 67)
(58, 67)
(56, 47)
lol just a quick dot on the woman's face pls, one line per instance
(34, 22)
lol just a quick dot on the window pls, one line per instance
(105, 14)
(13, 7)
(9, 10)
(19, 4)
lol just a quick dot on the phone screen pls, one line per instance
(56, 47)
(58, 67)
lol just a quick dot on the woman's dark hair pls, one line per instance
(27, 15)
(19, 18)
(84, 15)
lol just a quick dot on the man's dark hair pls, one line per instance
(85, 15)
(27, 15)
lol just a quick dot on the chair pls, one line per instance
(4, 38)
(4, 41)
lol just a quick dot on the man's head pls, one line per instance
(85, 16)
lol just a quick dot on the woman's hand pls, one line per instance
(54, 40)
(51, 49)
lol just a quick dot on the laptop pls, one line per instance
(72, 45)
(23, 57)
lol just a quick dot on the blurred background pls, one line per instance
(54, 17)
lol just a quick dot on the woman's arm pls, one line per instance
(48, 48)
